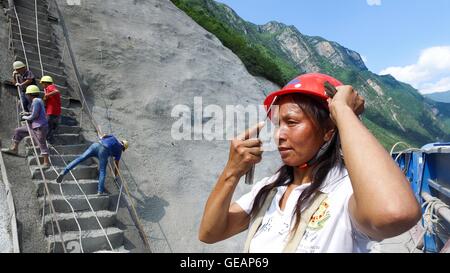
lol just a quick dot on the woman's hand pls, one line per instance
(346, 96)
(244, 152)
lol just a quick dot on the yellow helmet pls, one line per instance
(46, 79)
(125, 144)
(32, 89)
(18, 65)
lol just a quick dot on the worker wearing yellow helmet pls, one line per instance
(37, 122)
(52, 100)
(22, 78)
(108, 146)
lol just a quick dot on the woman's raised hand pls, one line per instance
(245, 150)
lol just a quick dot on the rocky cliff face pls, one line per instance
(140, 60)
(303, 49)
(395, 111)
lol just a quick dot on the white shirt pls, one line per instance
(329, 230)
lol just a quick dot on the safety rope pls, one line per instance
(21, 39)
(396, 144)
(406, 151)
(430, 216)
(37, 38)
(10, 34)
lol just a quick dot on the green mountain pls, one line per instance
(395, 111)
(439, 96)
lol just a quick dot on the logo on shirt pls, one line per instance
(320, 217)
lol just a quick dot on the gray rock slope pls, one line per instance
(140, 59)
(5, 232)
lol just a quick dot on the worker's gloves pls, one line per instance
(18, 84)
(23, 114)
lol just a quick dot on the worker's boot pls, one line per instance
(13, 150)
(60, 177)
(46, 163)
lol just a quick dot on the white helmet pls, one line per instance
(18, 65)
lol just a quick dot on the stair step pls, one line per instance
(61, 139)
(78, 203)
(30, 31)
(86, 220)
(92, 240)
(31, 12)
(116, 250)
(69, 112)
(64, 129)
(73, 149)
(67, 101)
(57, 78)
(51, 52)
(69, 121)
(49, 61)
(35, 66)
(69, 187)
(58, 71)
(33, 42)
(32, 26)
(64, 89)
(32, 39)
(67, 139)
(80, 172)
(60, 160)
(30, 18)
(27, 5)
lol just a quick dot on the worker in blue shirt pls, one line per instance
(108, 146)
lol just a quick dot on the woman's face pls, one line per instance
(297, 138)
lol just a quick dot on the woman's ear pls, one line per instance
(328, 135)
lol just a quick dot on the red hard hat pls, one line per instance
(311, 84)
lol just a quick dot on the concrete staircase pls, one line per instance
(69, 142)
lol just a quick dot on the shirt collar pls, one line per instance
(333, 178)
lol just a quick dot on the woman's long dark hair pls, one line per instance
(320, 117)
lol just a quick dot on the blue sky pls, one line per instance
(409, 39)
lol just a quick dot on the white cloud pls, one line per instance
(431, 72)
(441, 86)
(374, 2)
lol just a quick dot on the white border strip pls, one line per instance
(12, 210)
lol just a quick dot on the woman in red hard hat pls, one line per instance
(338, 190)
